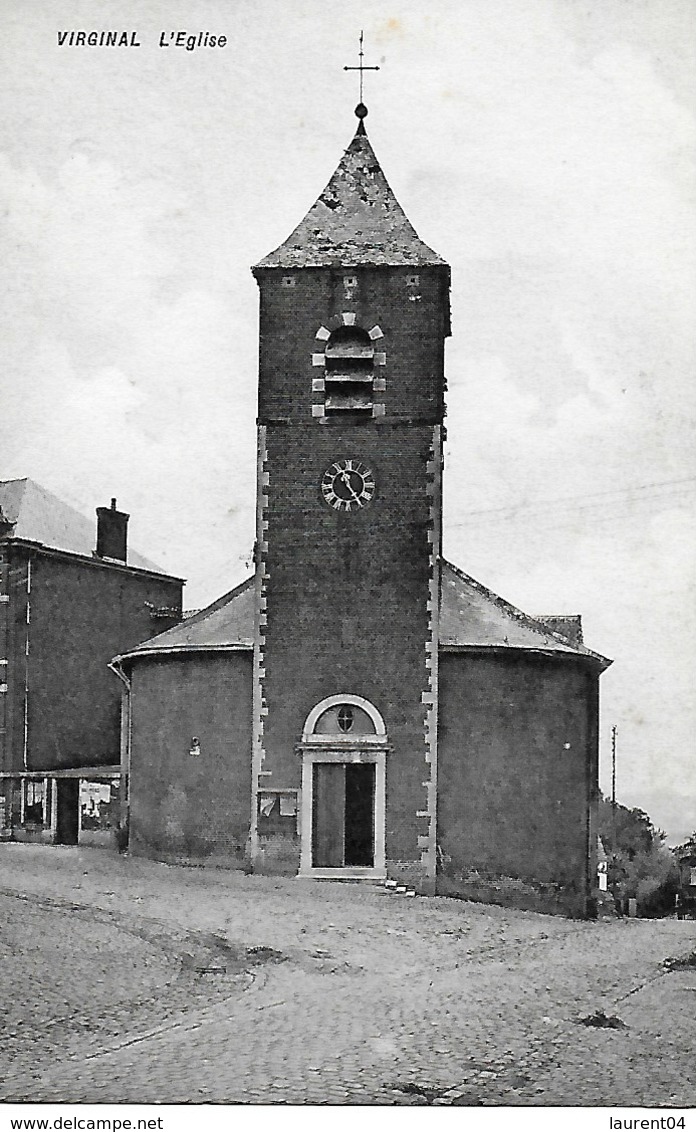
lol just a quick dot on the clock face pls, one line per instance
(347, 485)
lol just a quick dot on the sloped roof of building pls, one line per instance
(356, 220)
(471, 617)
(37, 515)
(226, 625)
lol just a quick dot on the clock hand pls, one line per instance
(346, 479)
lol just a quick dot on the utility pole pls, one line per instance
(613, 807)
(613, 777)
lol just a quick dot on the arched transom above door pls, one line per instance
(344, 716)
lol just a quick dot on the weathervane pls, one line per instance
(361, 109)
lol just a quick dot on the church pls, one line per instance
(362, 709)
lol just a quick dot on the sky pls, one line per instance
(545, 148)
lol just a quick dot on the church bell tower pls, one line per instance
(354, 312)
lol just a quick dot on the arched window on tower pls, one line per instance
(349, 372)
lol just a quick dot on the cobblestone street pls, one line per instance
(132, 981)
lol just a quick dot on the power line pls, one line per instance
(592, 494)
(591, 500)
(547, 522)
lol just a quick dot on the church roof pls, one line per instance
(226, 625)
(471, 618)
(356, 220)
(38, 516)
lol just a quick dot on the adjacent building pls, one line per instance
(71, 595)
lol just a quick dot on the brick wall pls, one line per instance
(182, 805)
(14, 614)
(347, 604)
(516, 775)
(81, 616)
(345, 598)
(414, 325)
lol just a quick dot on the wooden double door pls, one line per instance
(343, 815)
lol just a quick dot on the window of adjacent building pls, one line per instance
(349, 372)
(34, 802)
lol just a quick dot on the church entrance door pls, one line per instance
(344, 790)
(343, 815)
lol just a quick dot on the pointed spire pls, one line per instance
(356, 220)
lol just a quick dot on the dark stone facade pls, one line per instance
(190, 800)
(517, 777)
(346, 596)
(64, 612)
(81, 612)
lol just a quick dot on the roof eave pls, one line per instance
(178, 650)
(568, 653)
(314, 261)
(90, 559)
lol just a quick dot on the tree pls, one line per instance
(687, 848)
(640, 865)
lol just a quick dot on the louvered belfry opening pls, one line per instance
(349, 373)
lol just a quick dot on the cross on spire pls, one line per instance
(361, 109)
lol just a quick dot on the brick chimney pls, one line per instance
(112, 528)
